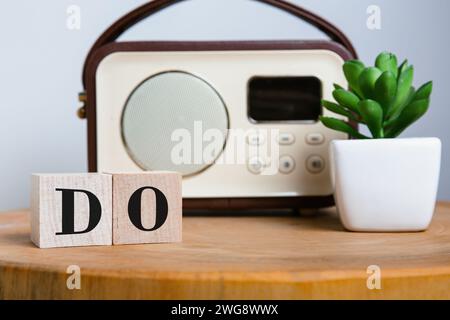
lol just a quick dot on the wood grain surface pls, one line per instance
(235, 257)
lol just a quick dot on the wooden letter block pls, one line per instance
(71, 210)
(147, 208)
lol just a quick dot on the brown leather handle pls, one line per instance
(146, 10)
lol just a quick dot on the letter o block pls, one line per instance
(147, 207)
(69, 210)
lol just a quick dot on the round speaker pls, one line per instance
(162, 104)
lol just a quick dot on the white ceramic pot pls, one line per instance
(386, 185)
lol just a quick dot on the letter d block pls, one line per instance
(69, 210)
(147, 207)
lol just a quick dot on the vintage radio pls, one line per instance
(141, 97)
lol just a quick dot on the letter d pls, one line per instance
(68, 211)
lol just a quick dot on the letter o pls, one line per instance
(134, 209)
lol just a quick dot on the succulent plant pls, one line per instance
(381, 97)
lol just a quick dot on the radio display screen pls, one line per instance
(284, 99)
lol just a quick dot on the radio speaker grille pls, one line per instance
(162, 104)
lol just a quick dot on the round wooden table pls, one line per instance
(235, 257)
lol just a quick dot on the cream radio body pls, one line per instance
(214, 87)
(139, 95)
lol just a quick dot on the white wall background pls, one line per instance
(41, 60)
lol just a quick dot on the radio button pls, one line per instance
(287, 164)
(315, 138)
(255, 165)
(286, 139)
(315, 164)
(255, 139)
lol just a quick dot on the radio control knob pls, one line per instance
(286, 138)
(255, 139)
(287, 164)
(255, 165)
(315, 138)
(315, 164)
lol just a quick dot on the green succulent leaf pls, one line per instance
(372, 113)
(385, 90)
(405, 80)
(338, 87)
(381, 97)
(402, 67)
(411, 98)
(342, 126)
(409, 115)
(387, 62)
(352, 71)
(347, 99)
(424, 92)
(333, 107)
(367, 81)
